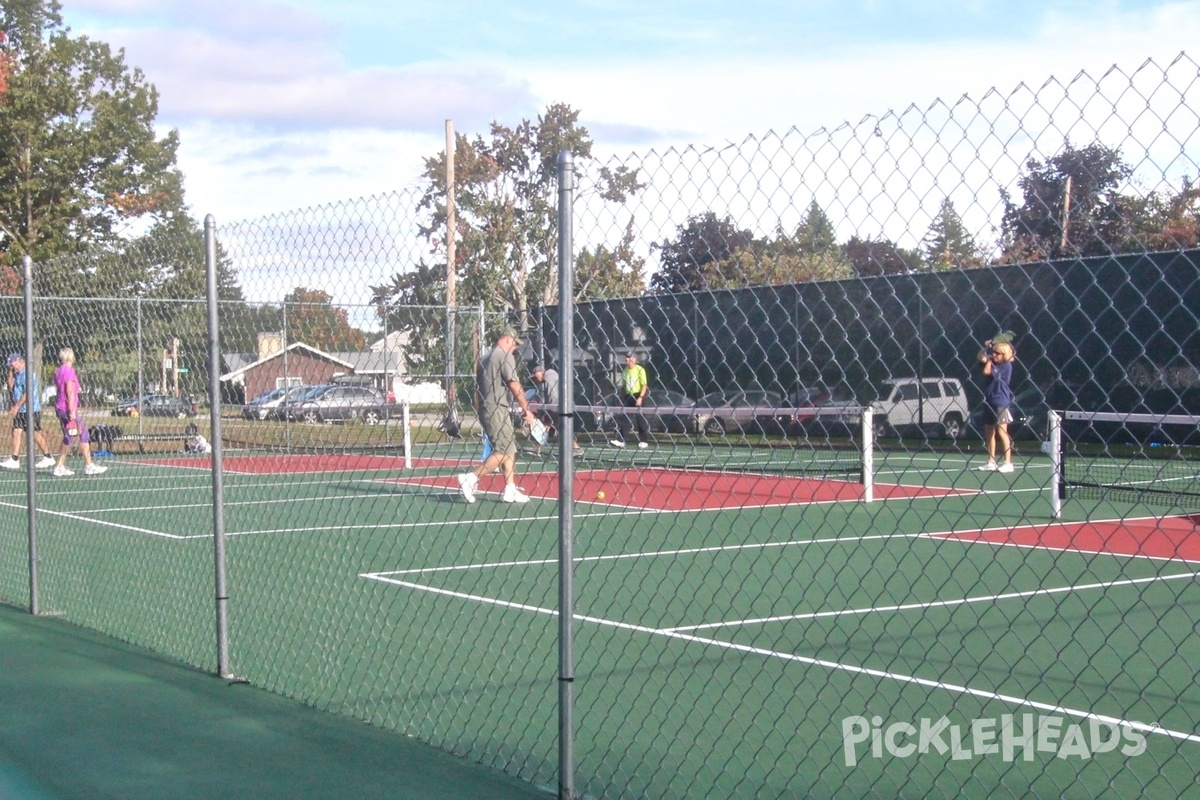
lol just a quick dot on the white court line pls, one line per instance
(951, 536)
(100, 523)
(717, 548)
(402, 525)
(837, 666)
(1049, 548)
(991, 598)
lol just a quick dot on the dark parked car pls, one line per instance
(268, 404)
(338, 403)
(741, 410)
(155, 405)
(826, 412)
(675, 416)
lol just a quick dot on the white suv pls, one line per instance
(928, 402)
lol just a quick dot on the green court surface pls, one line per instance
(88, 717)
(731, 628)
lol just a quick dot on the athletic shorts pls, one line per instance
(498, 425)
(994, 416)
(81, 429)
(19, 421)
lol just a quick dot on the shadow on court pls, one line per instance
(86, 716)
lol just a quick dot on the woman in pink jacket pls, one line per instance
(71, 418)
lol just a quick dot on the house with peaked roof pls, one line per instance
(297, 363)
(275, 366)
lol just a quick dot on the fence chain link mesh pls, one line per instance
(807, 582)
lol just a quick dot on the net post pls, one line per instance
(404, 420)
(1054, 422)
(868, 455)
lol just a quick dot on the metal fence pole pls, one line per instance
(141, 354)
(30, 399)
(566, 475)
(214, 414)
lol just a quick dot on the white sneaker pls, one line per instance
(466, 485)
(94, 469)
(1005, 468)
(62, 472)
(514, 495)
(45, 462)
(643, 445)
(616, 442)
(10, 463)
(988, 467)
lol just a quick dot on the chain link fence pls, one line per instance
(804, 584)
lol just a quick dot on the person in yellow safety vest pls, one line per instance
(633, 389)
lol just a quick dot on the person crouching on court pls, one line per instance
(495, 380)
(997, 361)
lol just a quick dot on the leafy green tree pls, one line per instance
(413, 303)
(870, 257)
(815, 234)
(79, 157)
(811, 253)
(506, 208)
(1168, 220)
(1070, 207)
(605, 274)
(948, 244)
(314, 320)
(702, 256)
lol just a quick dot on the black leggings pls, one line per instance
(623, 425)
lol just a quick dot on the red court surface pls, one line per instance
(1172, 538)
(678, 490)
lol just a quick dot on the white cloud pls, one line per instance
(274, 113)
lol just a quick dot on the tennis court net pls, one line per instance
(810, 442)
(1139, 458)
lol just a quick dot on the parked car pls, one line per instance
(925, 403)
(338, 403)
(1030, 413)
(741, 410)
(827, 412)
(155, 405)
(268, 404)
(675, 416)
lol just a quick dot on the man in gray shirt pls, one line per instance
(495, 382)
(547, 385)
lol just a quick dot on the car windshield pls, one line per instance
(270, 394)
(810, 395)
(716, 399)
(669, 398)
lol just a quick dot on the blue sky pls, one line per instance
(285, 104)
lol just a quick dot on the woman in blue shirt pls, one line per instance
(997, 398)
